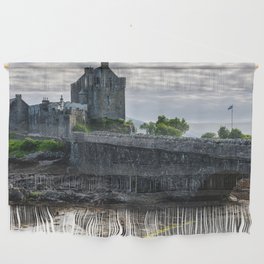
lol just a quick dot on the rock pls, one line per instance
(232, 198)
(33, 156)
(47, 155)
(53, 196)
(15, 195)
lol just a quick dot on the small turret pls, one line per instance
(61, 104)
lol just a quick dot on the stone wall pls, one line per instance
(108, 98)
(75, 89)
(103, 92)
(18, 114)
(47, 120)
(184, 162)
(135, 170)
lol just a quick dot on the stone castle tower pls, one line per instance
(18, 117)
(103, 92)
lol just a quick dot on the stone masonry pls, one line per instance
(103, 92)
(99, 93)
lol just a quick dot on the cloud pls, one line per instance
(198, 92)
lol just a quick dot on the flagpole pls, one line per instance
(231, 107)
(232, 117)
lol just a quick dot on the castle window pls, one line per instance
(110, 83)
(97, 80)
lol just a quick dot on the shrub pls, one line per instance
(223, 132)
(246, 136)
(20, 147)
(167, 127)
(50, 145)
(29, 145)
(235, 133)
(209, 135)
(81, 128)
(165, 130)
(112, 125)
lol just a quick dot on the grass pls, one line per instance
(21, 147)
(106, 124)
(82, 128)
(34, 194)
(112, 125)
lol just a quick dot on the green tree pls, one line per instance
(179, 124)
(162, 119)
(223, 133)
(149, 127)
(165, 126)
(236, 133)
(163, 129)
(246, 136)
(209, 135)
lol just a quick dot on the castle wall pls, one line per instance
(75, 89)
(47, 120)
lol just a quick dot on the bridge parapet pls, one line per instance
(237, 148)
(150, 156)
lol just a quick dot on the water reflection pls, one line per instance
(140, 222)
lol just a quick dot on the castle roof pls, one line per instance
(97, 71)
(18, 96)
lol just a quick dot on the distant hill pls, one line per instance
(137, 124)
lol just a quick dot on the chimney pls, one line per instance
(18, 96)
(45, 100)
(88, 69)
(104, 65)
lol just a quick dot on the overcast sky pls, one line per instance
(200, 93)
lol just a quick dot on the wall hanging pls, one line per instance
(141, 149)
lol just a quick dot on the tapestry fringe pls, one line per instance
(132, 222)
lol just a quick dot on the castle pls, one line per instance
(98, 93)
(102, 91)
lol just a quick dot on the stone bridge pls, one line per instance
(147, 164)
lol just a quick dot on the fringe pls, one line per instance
(132, 222)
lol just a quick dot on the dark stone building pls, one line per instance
(18, 117)
(103, 92)
(53, 119)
